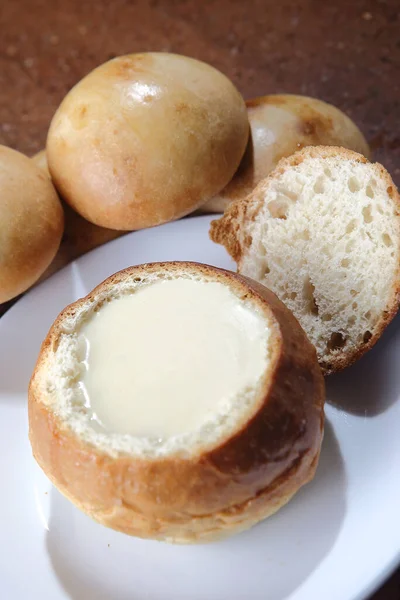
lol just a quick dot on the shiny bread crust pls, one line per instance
(217, 491)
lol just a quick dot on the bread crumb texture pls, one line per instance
(323, 233)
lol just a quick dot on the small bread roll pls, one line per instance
(145, 139)
(323, 232)
(32, 223)
(80, 236)
(178, 402)
(281, 125)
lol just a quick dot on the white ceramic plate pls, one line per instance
(336, 540)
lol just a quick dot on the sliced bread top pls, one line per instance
(323, 232)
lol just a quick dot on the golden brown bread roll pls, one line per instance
(145, 139)
(32, 222)
(238, 465)
(281, 125)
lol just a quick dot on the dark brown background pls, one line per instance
(345, 52)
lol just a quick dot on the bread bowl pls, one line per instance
(237, 463)
(323, 232)
(280, 125)
(145, 139)
(32, 223)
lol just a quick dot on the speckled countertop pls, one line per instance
(345, 52)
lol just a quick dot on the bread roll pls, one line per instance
(80, 236)
(281, 125)
(145, 139)
(238, 463)
(31, 220)
(323, 232)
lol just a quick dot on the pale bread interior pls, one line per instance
(326, 241)
(62, 369)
